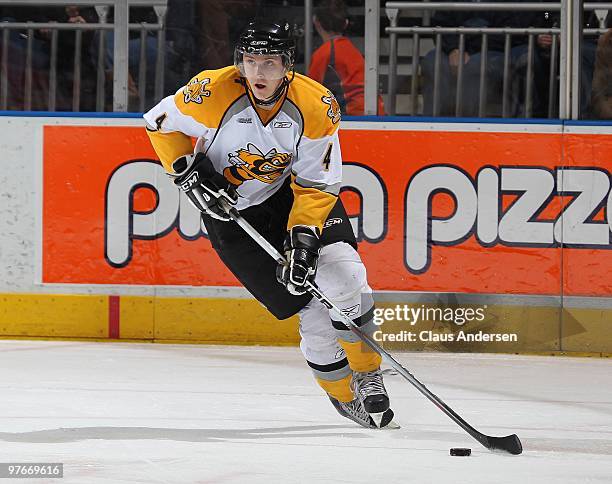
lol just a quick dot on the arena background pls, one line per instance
(511, 217)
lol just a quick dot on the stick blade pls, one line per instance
(509, 443)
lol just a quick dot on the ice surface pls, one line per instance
(148, 413)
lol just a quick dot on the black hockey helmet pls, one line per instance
(266, 38)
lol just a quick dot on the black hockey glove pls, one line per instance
(302, 247)
(203, 185)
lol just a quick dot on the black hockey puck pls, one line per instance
(458, 451)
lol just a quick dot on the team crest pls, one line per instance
(253, 164)
(334, 108)
(194, 91)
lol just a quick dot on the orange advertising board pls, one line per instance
(441, 211)
(587, 259)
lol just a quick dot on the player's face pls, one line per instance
(264, 73)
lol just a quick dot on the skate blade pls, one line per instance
(393, 425)
(380, 420)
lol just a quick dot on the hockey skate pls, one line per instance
(370, 391)
(354, 410)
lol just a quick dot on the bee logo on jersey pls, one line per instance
(253, 164)
(194, 91)
(334, 108)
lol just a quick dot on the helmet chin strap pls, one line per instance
(276, 95)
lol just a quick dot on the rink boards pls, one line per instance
(512, 219)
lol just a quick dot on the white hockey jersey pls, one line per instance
(253, 148)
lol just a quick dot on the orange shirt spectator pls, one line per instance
(330, 21)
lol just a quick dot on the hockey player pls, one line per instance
(267, 143)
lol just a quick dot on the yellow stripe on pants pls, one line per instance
(339, 389)
(360, 356)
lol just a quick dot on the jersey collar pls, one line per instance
(265, 115)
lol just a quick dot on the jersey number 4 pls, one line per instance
(159, 121)
(327, 157)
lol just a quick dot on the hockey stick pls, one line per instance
(509, 443)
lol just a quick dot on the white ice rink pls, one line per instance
(149, 413)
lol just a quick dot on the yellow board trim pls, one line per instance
(218, 320)
(54, 315)
(542, 330)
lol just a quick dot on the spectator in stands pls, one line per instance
(183, 43)
(197, 37)
(589, 48)
(17, 54)
(137, 15)
(220, 24)
(338, 64)
(65, 68)
(472, 56)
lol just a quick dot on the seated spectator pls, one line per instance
(17, 53)
(220, 24)
(472, 57)
(183, 41)
(65, 68)
(589, 48)
(197, 38)
(338, 64)
(137, 15)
